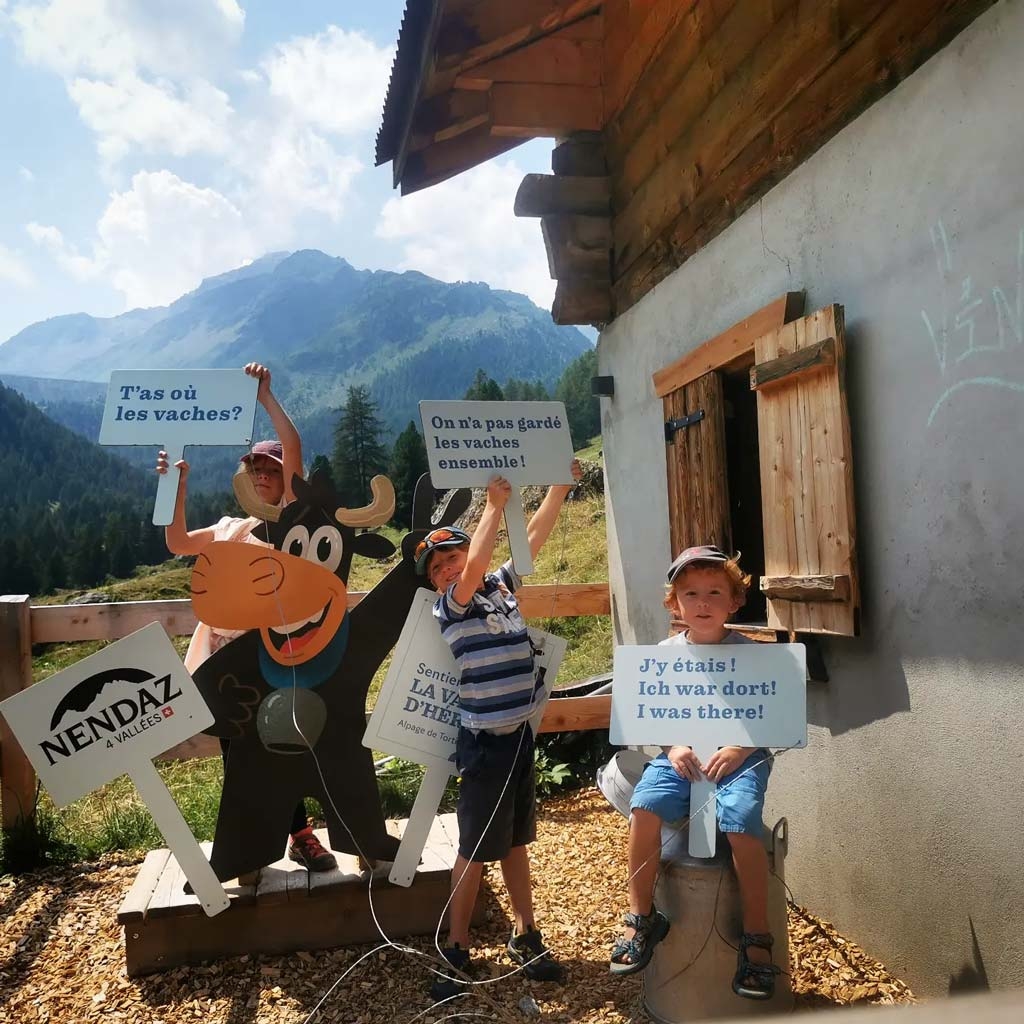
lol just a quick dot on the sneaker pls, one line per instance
(529, 951)
(307, 850)
(447, 985)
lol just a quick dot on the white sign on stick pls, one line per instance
(109, 715)
(417, 715)
(174, 408)
(525, 442)
(706, 697)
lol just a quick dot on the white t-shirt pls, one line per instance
(683, 639)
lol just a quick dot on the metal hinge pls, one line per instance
(671, 426)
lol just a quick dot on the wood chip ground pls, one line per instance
(62, 952)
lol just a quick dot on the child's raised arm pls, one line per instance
(543, 520)
(287, 434)
(481, 547)
(180, 540)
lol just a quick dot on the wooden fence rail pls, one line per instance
(23, 624)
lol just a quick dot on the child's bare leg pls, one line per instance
(751, 862)
(466, 875)
(644, 858)
(515, 869)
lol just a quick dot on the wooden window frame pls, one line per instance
(784, 352)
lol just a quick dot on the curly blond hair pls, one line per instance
(739, 581)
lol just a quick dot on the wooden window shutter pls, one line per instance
(810, 576)
(698, 490)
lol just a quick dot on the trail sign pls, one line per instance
(417, 715)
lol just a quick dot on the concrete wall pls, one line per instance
(907, 808)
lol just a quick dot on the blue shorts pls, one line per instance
(740, 798)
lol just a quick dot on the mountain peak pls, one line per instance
(265, 264)
(312, 265)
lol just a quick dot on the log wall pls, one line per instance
(710, 102)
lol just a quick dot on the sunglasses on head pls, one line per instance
(434, 537)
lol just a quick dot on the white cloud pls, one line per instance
(335, 81)
(464, 230)
(23, 171)
(290, 171)
(276, 143)
(107, 38)
(65, 255)
(129, 114)
(13, 269)
(158, 239)
(161, 238)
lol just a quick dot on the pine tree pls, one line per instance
(484, 389)
(525, 391)
(322, 465)
(56, 571)
(581, 407)
(358, 453)
(408, 464)
(88, 558)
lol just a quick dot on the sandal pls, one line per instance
(754, 980)
(650, 930)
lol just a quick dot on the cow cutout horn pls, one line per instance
(378, 512)
(251, 502)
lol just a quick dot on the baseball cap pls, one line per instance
(445, 537)
(271, 449)
(703, 553)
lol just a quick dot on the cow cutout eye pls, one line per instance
(325, 547)
(296, 542)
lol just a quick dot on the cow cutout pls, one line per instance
(295, 684)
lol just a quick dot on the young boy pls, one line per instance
(705, 587)
(481, 622)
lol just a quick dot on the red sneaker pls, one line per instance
(307, 850)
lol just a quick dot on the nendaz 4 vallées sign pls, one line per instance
(525, 442)
(706, 697)
(108, 715)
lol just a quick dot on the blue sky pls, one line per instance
(146, 144)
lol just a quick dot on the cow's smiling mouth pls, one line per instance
(294, 636)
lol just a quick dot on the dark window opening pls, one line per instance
(744, 472)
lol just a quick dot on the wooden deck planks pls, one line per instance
(135, 904)
(290, 910)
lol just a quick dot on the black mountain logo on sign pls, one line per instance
(82, 697)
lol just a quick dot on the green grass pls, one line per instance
(114, 818)
(592, 451)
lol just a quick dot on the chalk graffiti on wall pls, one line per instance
(977, 334)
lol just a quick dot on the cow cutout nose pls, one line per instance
(277, 717)
(267, 574)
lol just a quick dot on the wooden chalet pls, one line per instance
(670, 116)
(799, 225)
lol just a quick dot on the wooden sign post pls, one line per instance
(417, 715)
(709, 696)
(109, 715)
(174, 408)
(468, 443)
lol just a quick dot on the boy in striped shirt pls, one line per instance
(481, 622)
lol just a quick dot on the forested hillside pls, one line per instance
(70, 512)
